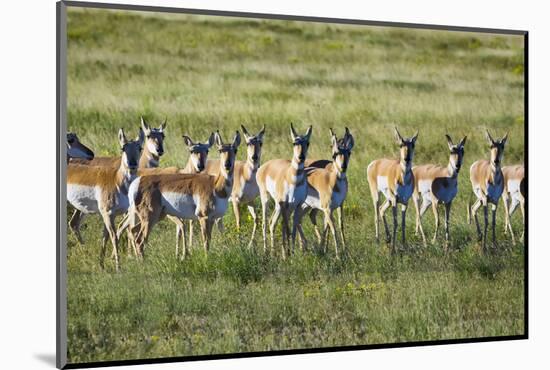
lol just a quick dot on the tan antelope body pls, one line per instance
(393, 178)
(104, 190)
(198, 156)
(326, 163)
(245, 188)
(75, 149)
(184, 196)
(437, 184)
(285, 182)
(487, 184)
(327, 188)
(514, 192)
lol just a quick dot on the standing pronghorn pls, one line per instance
(327, 188)
(395, 179)
(75, 149)
(245, 188)
(435, 184)
(104, 190)
(488, 185)
(514, 190)
(285, 181)
(198, 156)
(150, 156)
(184, 196)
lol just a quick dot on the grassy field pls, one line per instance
(205, 73)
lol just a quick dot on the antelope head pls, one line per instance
(456, 153)
(198, 152)
(406, 147)
(131, 150)
(300, 143)
(253, 146)
(227, 153)
(497, 148)
(154, 137)
(341, 150)
(75, 149)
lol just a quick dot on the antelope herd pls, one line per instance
(134, 185)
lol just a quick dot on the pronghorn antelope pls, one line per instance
(437, 184)
(245, 188)
(393, 178)
(104, 190)
(488, 185)
(327, 188)
(514, 190)
(150, 156)
(184, 196)
(285, 181)
(75, 149)
(198, 154)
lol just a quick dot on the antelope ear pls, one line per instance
(308, 132)
(141, 137)
(122, 138)
(218, 139)
(333, 139)
(145, 127)
(187, 140)
(463, 141)
(211, 140)
(347, 133)
(245, 133)
(261, 134)
(293, 133)
(237, 140)
(413, 139)
(449, 141)
(504, 139)
(163, 126)
(398, 136)
(489, 137)
(350, 142)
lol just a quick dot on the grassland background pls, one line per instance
(205, 73)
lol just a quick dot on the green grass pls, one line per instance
(205, 73)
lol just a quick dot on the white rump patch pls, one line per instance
(424, 186)
(383, 186)
(271, 186)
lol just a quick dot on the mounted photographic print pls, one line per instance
(234, 184)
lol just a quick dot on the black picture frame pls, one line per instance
(61, 168)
